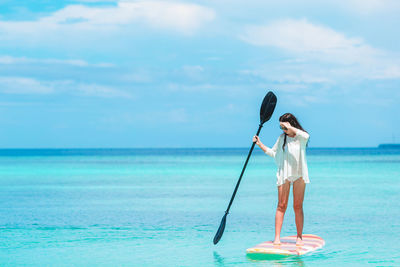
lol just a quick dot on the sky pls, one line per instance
(91, 74)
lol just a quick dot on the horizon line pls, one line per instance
(93, 148)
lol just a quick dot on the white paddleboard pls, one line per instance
(288, 246)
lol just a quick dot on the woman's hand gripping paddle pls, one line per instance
(267, 108)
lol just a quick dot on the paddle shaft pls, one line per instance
(244, 168)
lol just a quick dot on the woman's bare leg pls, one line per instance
(283, 197)
(299, 188)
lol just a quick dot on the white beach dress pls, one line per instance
(291, 162)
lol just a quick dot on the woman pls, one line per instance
(289, 152)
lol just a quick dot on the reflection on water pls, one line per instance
(264, 260)
(218, 260)
(276, 260)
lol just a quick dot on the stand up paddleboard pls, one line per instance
(288, 246)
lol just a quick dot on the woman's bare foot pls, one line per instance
(299, 241)
(277, 242)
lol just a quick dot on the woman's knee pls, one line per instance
(298, 207)
(282, 206)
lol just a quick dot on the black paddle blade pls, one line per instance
(267, 107)
(221, 229)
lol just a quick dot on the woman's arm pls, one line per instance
(294, 131)
(269, 151)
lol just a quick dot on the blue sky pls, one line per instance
(193, 73)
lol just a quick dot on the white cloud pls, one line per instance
(179, 87)
(304, 38)
(362, 7)
(95, 1)
(23, 85)
(371, 6)
(100, 91)
(293, 74)
(391, 72)
(320, 54)
(31, 86)
(139, 76)
(73, 62)
(179, 17)
(193, 72)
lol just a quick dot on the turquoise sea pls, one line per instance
(162, 207)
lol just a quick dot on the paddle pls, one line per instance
(267, 108)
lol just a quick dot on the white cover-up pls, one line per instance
(291, 162)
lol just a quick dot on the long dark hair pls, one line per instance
(289, 117)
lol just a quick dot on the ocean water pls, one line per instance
(162, 207)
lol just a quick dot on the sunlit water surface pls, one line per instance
(150, 207)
